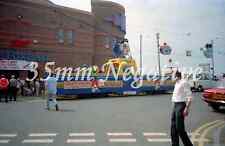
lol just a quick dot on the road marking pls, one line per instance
(37, 141)
(8, 135)
(119, 134)
(200, 140)
(81, 141)
(42, 134)
(216, 135)
(193, 134)
(165, 134)
(81, 134)
(159, 140)
(155, 134)
(4, 141)
(122, 140)
(206, 131)
(203, 127)
(169, 140)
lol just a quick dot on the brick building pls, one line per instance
(41, 31)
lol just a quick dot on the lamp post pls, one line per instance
(212, 58)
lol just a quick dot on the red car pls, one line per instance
(215, 97)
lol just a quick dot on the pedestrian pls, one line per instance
(32, 87)
(51, 86)
(182, 98)
(42, 87)
(13, 88)
(4, 85)
(37, 87)
(19, 84)
(22, 85)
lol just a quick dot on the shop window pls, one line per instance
(60, 36)
(71, 37)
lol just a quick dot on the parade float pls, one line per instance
(118, 76)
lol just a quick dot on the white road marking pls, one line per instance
(42, 134)
(81, 134)
(122, 140)
(169, 140)
(119, 134)
(4, 141)
(8, 135)
(165, 134)
(155, 134)
(38, 141)
(159, 140)
(81, 141)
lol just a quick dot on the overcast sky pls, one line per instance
(183, 24)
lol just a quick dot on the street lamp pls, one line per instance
(209, 53)
(213, 64)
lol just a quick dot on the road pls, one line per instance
(108, 121)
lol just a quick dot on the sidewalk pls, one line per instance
(30, 98)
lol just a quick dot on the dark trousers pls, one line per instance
(4, 94)
(12, 93)
(178, 127)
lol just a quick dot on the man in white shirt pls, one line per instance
(182, 97)
(51, 86)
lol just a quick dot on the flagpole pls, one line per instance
(158, 47)
(141, 54)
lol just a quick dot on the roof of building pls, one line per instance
(42, 2)
(50, 3)
(108, 2)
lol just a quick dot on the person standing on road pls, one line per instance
(4, 85)
(51, 86)
(37, 87)
(182, 97)
(13, 88)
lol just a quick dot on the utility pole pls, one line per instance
(213, 64)
(158, 47)
(141, 37)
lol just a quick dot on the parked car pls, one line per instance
(215, 97)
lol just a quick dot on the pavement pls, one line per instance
(106, 121)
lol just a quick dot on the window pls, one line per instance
(71, 37)
(60, 36)
(107, 42)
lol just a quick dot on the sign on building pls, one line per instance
(15, 65)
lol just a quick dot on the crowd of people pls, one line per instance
(12, 87)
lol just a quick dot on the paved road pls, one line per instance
(109, 121)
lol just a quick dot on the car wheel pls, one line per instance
(215, 107)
